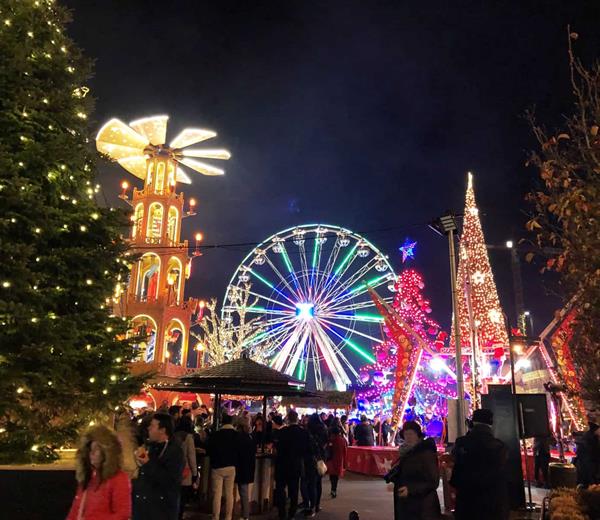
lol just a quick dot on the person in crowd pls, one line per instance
(104, 489)
(588, 456)
(313, 481)
(416, 477)
(184, 435)
(292, 449)
(323, 417)
(541, 457)
(479, 472)
(156, 490)
(175, 412)
(277, 424)
(223, 450)
(304, 422)
(259, 433)
(363, 432)
(336, 463)
(246, 463)
(345, 427)
(386, 430)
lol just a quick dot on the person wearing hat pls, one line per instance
(588, 456)
(479, 472)
(416, 476)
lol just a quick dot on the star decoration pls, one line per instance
(478, 277)
(407, 250)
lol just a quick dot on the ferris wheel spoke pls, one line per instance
(347, 261)
(353, 331)
(328, 351)
(316, 260)
(283, 355)
(304, 267)
(325, 275)
(298, 351)
(359, 350)
(335, 292)
(277, 302)
(316, 364)
(352, 306)
(282, 278)
(361, 288)
(288, 263)
(269, 284)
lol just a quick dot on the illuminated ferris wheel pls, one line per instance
(308, 285)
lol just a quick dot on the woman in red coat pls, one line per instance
(104, 490)
(336, 464)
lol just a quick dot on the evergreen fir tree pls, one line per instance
(61, 365)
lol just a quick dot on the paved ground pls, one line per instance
(370, 497)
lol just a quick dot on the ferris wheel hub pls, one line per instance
(305, 311)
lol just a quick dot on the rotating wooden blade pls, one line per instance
(182, 177)
(207, 153)
(191, 136)
(201, 167)
(135, 165)
(154, 128)
(115, 132)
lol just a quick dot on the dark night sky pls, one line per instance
(362, 114)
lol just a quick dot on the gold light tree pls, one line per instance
(154, 298)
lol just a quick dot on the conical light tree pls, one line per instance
(479, 311)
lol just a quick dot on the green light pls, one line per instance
(359, 350)
(346, 259)
(301, 369)
(371, 282)
(368, 317)
(256, 309)
(286, 259)
(314, 258)
(263, 280)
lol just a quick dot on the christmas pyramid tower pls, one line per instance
(480, 315)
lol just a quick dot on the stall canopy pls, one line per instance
(323, 399)
(238, 377)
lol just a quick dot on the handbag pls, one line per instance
(321, 467)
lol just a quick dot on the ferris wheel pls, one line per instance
(308, 287)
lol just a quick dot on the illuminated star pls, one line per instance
(407, 250)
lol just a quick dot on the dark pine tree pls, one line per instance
(62, 255)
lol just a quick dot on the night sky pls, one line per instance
(362, 114)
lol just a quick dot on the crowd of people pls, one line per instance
(164, 474)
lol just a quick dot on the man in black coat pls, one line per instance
(479, 472)
(156, 490)
(292, 448)
(364, 435)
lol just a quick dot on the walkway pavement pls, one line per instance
(370, 497)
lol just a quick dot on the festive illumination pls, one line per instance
(408, 250)
(155, 293)
(135, 145)
(478, 297)
(310, 284)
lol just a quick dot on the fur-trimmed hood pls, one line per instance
(111, 449)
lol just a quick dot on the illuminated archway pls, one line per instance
(155, 221)
(144, 330)
(172, 220)
(148, 277)
(138, 217)
(175, 342)
(174, 279)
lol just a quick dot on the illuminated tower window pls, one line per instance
(174, 341)
(172, 224)
(174, 280)
(171, 177)
(155, 218)
(138, 217)
(148, 276)
(143, 332)
(150, 174)
(160, 178)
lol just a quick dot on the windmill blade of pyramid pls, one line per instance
(117, 152)
(135, 165)
(191, 136)
(215, 153)
(182, 177)
(115, 132)
(154, 128)
(201, 167)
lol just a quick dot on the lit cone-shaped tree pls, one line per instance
(479, 306)
(62, 256)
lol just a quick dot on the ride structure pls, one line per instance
(308, 287)
(154, 300)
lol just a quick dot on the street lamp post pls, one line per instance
(446, 225)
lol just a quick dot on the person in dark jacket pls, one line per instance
(156, 489)
(364, 434)
(312, 481)
(184, 435)
(541, 457)
(292, 449)
(417, 477)
(479, 472)
(223, 450)
(245, 467)
(588, 457)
